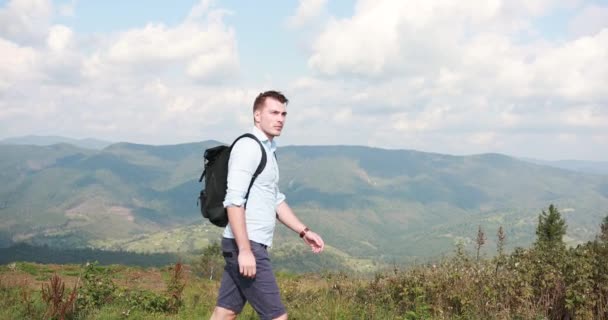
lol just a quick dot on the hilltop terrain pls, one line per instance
(370, 204)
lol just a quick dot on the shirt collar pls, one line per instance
(264, 139)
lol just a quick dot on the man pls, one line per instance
(248, 274)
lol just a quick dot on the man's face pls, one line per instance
(271, 117)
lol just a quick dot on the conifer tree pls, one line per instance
(500, 244)
(550, 265)
(551, 229)
(604, 230)
(480, 241)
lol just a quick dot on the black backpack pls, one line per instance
(215, 172)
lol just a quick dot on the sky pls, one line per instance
(526, 78)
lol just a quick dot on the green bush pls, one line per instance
(29, 268)
(97, 288)
(145, 301)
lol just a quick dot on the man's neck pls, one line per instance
(267, 136)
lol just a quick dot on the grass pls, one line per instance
(457, 288)
(546, 281)
(308, 295)
(29, 268)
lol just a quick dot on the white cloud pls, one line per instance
(214, 66)
(67, 9)
(202, 50)
(17, 63)
(482, 138)
(589, 21)
(591, 117)
(199, 10)
(477, 71)
(576, 70)
(156, 43)
(307, 11)
(25, 21)
(59, 37)
(366, 44)
(438, 75)
(153, 78)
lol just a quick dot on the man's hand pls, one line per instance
(314, 241)
(246, 263)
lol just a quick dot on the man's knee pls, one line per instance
(220, 313)
(283, 317)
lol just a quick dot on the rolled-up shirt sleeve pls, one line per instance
(244, 160)
(280, 198)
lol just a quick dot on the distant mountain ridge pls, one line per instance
(88, 143)
(369, 203)
(598, 167)
(587, 166)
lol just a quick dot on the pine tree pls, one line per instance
(550, 262)
(604, 230)
(480, 241)
(500, 244)
(551, 229)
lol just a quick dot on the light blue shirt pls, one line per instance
(264, 197)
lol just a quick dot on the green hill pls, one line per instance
(50, 140)
(368, 203)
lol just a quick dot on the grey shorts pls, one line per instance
(262, 292)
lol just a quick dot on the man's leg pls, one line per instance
(230, 300)
(220, 313)
(263, 292)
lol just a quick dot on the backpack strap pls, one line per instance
(260, 167)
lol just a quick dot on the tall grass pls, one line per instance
(545, 281)
(459, 287)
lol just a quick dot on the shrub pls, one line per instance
(211, 262)
(97, 288)
(59, 306)
(175, 288)
(145, 300)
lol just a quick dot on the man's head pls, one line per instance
(269, 112)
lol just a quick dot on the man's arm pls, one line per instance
(244, 159)
(236, 218)
(289, 219)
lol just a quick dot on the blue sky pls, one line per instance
(523, 78)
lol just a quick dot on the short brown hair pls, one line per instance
(261, 98)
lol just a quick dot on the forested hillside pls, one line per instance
(369, 203)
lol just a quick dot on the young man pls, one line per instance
(248, 274)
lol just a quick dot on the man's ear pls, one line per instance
(256, 116)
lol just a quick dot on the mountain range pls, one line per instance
(370, 204)
(88, 143)
(599, 167)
